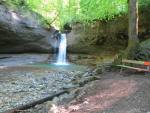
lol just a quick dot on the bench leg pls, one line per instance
(121, 70)
(147, 73)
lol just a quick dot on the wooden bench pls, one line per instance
(125, 64)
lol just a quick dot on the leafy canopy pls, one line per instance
(59, 12)
(64, 11)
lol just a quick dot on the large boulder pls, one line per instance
(21, 33)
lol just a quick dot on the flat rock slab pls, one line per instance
(21, 59)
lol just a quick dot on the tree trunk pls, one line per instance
(133, 28)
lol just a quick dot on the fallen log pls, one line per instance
(34, 103)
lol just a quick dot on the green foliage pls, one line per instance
(59, 12)
(14, 3)
(102, 9)
(144, 4)
(143, 51)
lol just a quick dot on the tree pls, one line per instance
(133, 28)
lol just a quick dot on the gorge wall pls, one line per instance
(23, 34)
(109, 35)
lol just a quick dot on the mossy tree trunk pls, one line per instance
(132, 29)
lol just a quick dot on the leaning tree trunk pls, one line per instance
(133, 28)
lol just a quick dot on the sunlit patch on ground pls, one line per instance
(100, 99)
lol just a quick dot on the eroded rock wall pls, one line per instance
(20, 33)
(106, 35)
(23, 34)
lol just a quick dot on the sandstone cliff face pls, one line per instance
(19, 33)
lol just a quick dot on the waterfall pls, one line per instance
(61, 60)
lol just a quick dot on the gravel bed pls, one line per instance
(19, 88)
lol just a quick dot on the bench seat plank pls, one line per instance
(138, 69)
(136, 62)
(133, 61)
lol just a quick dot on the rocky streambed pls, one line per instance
(27, 80)
(19, 88)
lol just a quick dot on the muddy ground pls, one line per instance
(114, 93)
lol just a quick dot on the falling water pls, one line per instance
(61, 60)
